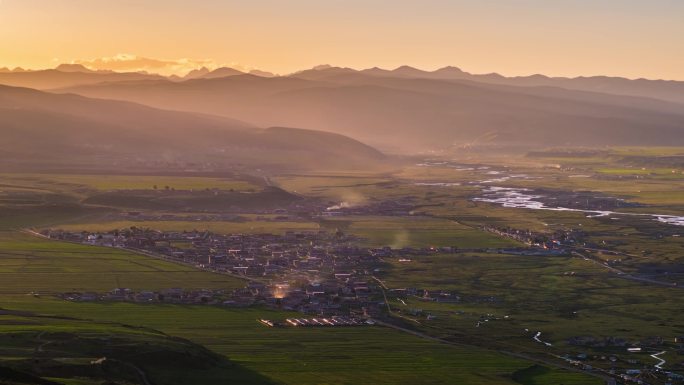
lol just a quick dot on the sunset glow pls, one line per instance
(308, 192)
(628, 38)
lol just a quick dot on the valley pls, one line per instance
(427, 252)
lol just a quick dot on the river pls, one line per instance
(523, 198)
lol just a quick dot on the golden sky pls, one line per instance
(631, 38)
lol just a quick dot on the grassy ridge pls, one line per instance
(83, 351)
(311, 356)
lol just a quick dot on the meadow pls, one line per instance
(560, 296)
(311, 356)
(124, 182)
(78, 350)
(222, 227)
(414, 231)
(32, 265)
(253, 351)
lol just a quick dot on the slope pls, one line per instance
(43, 128)
(417, 113)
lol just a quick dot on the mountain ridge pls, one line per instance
(41, 128)
(416, 113)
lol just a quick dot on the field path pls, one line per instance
(624, 275)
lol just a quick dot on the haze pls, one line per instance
(407, 192)
(629, 38)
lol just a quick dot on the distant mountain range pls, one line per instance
(404, 109)
(668, 90)
(68, 76)
(40, 128)
(401, 110)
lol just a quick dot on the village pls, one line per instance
(327, 276)
(312, 272)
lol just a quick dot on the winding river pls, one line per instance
(525, 199)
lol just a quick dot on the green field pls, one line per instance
(559, 296)
(311, 356)
(125, 182)
(32, 265)
(414, 231)
(251, 227)
(288, 356)
(562, 297)
(82, 351)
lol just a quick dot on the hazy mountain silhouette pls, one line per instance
(668, 90)
(261, 73)
(205, 73)
(221, 72)
(39, 128)
(413, 112)
(196, 73)
(74, 68)
(68, 75)
(322, 72)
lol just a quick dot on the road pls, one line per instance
(661, 361)
(383, 288)
(624, 275)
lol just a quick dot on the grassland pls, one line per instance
(311, 356)
(124, 182)
(32, 265)
(414, 231)
(79, 351)
(222, 227)
(288, 356)
(560, 296)
(355, 189)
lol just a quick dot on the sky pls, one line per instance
(630, 38)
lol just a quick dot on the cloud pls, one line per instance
(132, 63)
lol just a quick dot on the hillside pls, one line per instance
(411, 113)
(43, 128)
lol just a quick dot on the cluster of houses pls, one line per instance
(313, 272)
(398, 207)
(559, 241)
(635, 368)
(171, 295)
(327, 322)
(157, 217)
